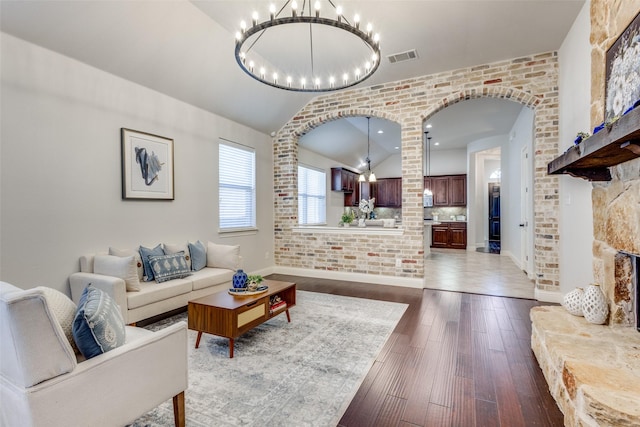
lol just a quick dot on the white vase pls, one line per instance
(594, 305)
(573, 301)
(361, 222)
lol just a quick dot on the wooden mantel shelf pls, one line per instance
(592, 158)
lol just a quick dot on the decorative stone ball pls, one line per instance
(240, 279)
(573, 301)
(594, 305)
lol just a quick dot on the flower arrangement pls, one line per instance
(366, 207)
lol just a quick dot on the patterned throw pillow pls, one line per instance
(174, 249)
(168, 267)
(98, 326)
(145, 253)
(198, 253)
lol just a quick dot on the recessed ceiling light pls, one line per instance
(436, 143)
(429, 126)
(397, 148)
(380, 131)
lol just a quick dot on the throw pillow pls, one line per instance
(223, 256)
(130, 252)
(174, 249)
(98, 326)
(144, 254)
(198, 255)
(122, 267)
(168, 267)
(63, 310)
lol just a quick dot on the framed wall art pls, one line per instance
(622, 89)
(147, 166)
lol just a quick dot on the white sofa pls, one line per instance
(157, 298)
(43, 383)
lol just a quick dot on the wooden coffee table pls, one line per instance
(230, 316)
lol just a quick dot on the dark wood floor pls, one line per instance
(454, 359)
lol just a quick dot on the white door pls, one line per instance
(525, 209)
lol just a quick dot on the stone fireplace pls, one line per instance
(616, 246)
(593, 371)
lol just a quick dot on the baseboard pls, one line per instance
(513, 258)
(263, 271)
(548, 296)
(406, 282)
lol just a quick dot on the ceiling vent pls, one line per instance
(403, 56)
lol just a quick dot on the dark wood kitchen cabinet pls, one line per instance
(451, 235)
(388, 192)
(343, 180)
(448, 190)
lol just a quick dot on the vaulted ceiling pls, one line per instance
(185, 48)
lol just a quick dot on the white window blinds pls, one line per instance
(237, 186)
(312, 196)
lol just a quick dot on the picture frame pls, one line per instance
(622, 71)
(147, 166)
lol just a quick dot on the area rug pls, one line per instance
(302, 373)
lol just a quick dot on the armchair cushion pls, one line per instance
(169, 267)
(98, 326)
(63, 310)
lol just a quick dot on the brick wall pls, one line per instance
(530, 80)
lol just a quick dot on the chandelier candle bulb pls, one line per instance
(356, 21)
(254, 18)
(294, 8)
(272, 11)
(369, 29)
(317, 8)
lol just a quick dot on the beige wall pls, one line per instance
(530, 80)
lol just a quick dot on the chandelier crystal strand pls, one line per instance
(249, 37)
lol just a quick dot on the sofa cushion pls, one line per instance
(170, 248)
(208, 277)
(223, 256)
(123, 267)
(144, 254)
(154, 292)
(64, 311)
(130, 252)
(198, 252)
(169, 267)
(98, 326)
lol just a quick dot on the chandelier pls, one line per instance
(297, 49)
(368, 175)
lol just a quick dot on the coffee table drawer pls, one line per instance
(256, 311)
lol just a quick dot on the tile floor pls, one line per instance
(476, 273)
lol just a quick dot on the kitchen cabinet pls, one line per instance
(448, 190)
(451, 235)
(388, 192)
(343, 180)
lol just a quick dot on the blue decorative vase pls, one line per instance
(240, 279)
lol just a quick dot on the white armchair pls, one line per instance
(43, 384)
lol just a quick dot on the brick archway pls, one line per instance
(531, 81)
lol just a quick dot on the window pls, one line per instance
(312, 196)
(237, 186)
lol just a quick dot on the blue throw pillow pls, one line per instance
(98, 325)
(168, 267)
(198, 255)
(144, 254)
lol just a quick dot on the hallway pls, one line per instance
(476, 273)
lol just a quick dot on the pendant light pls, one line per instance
(368, 175)
(427, 191)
